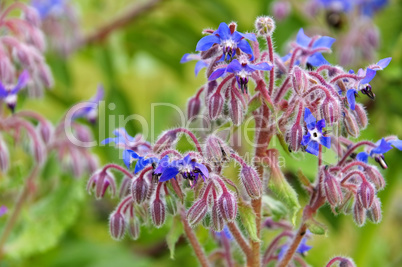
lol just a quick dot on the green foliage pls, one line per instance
(247, 217)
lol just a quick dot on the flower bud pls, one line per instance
(197, 212)
(139, 190)
(281, 9)
(251, 181)
(299, 80)
(215, 105)
(330, 112)
(294, 137)
(350, 124)
(171, 204)
(346, 262)
(206, 222)
(45, 130)
(4, 156)
(117, 225)
(100, 182)
(374, 213)
(265, 25)
(216, 150)
(365, 194)
(133, 228)
(374, 175)
(227, 206)
(125, 187)
(46, 75)
(236, 110)
(158, 213)
(360, 116)
(193, 107)
(359, 214)
(332, 189)
(165, 141)
(31, 15)
(217, 220)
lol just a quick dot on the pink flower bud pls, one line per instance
(125, 187)
(197, 212)
(117, 225)
(139, 190)
(265, 25)
(251, 181)
(374, 213)
(31, 15)
(133, 228)
(300, 80)
(193, 107)
(375, 176)
(158, 213)
(236, 110)
(227, 206)
(216, 150)
(7, 70)
(350, 124)
(294, 137)
(4, 156)
(215, 105)
(332, 189)
(330, 112)
(46, 75)
(99, 182)
(217, 220)
(365, 194)
(165, 141)
(45, 130)
(360, 116)
(281, 9)
(359, 214)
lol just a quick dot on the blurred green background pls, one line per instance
(139, 64)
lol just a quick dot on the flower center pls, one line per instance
(315, 135)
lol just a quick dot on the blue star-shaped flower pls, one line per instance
(125, 141)
(242, 71)
(129, 156)
(187, 167)
(228, 40)
(200, 63)
(47, 7)
(9, 95)
(314, 136)
(303, 248)
(90, 112)
(381, 148)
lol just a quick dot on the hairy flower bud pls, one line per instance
(45, 130)
(139, 190)
(165, 141)
(359, 214)
(197, 212)
(158, 213)
(236, 110)
(215, 105)
(350, 124)
(330, 112)
(332, 189)
(374, 213)
(216, 150)
(193, 107)
(374, 175)
(125, 187)
(251, 181)
(117, 225)
(217, 220)
(31, 15)
(294, 137)
(299, 80)
(265, 25)
(133, 228)
(360, 116)
(99, 182)
(227, 206)
(365, 194)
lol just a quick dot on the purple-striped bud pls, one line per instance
(165, 141)
(216, 150)
(360, 116)
(46, 75)
(365, 194)
(217, 220)
(236, 110)
(193, 107)
(374, 213)
(140, 189)
(359, 213)
(158, 213)
(99, 182)
(4, 156)
(45, 130)
(133, 228)
(227, 206)
(125, 187)
(251, 181)
(299, 80)
(215, 105)
(346, 262)
(294, 137)
(332, 189)
(197, 212)
(265, 25)
(351, 124)
(31, 15)
(117, 225)
(330, 112)
(374, 175)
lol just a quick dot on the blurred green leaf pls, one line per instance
(247, 217)
(176, 230)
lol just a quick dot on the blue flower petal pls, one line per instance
(382, 148)
(249, 36)
(108, 140)
(260, 66)
(324, 41)
(306, 139)
(223, 31)
(362, 156)
(217, 74)
(3, 91)
(168, 173)
(302, 39)
(312, 148)
(396, 143)
(143, 162)
(234, 66)
(325, 141)
(22, 82)
(162, 165)
(99, 94)
(199, 66)
(320, 125)
(369, 76)
(383, 63)
(351, 96)
(128, 154)
(316, 60)
(309, 119)
(202, 168)
(185, 58)
(206, 42)
(303, 247)
(244, 46)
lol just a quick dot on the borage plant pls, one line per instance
(300, 100)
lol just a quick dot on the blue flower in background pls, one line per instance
(187, 167)
(369, 7)
(200, 63)
(242, 71)
(229, 41)
(225, 232)
(125, 141)
(9, 95)
(314, 136)
(48, 7)
(382, 147)
(303, 248)
(90, 112)
(142, 162)
(338, 5)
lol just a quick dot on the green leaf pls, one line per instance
(276, 208)
(46, 221)
(175, 232)
(253, 105)
(247, 217)
(316, 228)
